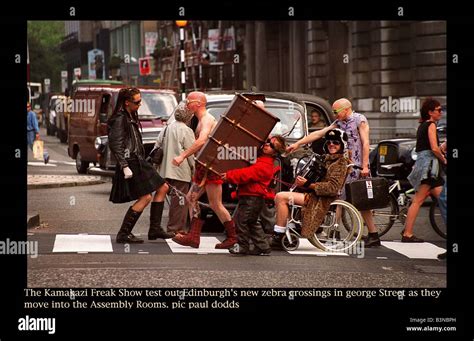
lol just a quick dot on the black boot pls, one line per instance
(276, 241)
(372, 240)
(125, 235)
(156, 231)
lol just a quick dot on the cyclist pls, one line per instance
(315, 203)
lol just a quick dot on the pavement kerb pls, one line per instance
(65, 183)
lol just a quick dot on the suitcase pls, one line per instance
(368, 193)
(233, 143)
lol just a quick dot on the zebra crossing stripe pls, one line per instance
(306, 248)
(81, 243)
(415, 250)
(206, 246)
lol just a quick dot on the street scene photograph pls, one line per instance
(237, 154)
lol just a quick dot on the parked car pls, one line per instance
(293, 110)
(50, 116)
(87, 136)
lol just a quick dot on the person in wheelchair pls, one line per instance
(316, 201)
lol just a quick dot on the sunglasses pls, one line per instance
(137, 102)
(334, 142)
(337, 111)
(272, 146)
(191, 101)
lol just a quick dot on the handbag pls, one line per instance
(156, 155)
(368, 193)
(38, 147)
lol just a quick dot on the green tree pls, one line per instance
(46, 58)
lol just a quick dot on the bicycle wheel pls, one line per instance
(333, 234)
(436, 220)
(385, 217)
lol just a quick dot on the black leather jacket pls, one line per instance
(125, 139)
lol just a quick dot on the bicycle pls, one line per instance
(337, 233)
(400, 201)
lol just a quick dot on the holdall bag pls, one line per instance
(38, 149)
(368, 193)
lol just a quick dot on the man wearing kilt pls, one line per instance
(135, 178)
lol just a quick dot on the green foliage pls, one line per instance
(46, 58)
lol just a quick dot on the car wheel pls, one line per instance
(81, 166)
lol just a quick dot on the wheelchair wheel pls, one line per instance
(290, 246)
(340, 230)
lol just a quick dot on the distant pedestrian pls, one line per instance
(134, 177)
(32, 128)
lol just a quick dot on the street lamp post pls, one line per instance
(181, 24)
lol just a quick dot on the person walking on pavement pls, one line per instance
(425, 176)
(253, 182)
(212, 183)
(355, 125)
(134, 178)
(174, 139)
(32, 128)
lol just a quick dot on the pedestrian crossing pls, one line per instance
(51, 163)
(84, 243)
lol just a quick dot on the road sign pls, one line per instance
(47, 83)
(63, 81)
(144, 64)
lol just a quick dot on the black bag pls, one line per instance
(368, 193)
(156, 155)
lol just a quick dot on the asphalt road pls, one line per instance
(86, 210)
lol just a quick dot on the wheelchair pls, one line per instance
(342, 226)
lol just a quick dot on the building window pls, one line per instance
(120, 42)
(113, 42)
(126, 40)
(135, 40)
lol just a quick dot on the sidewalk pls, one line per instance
(55, 181)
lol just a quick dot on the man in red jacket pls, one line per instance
(253, 182)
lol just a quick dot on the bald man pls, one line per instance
(357, 128)
(204, 179)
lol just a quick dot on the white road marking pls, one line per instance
(207, 245)
(306, 248)
(415, 250)
(40, 164)
(82, 243)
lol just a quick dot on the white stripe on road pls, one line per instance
(69, 163)
(40, 164)
(207, 245)
(82, 243)
(51, 163)
(415, 250)
(306, 248)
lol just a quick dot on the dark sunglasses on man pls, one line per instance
(272, 146)
(334, 142)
